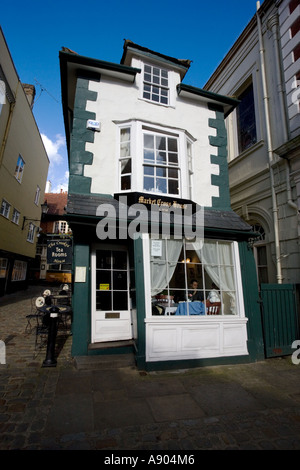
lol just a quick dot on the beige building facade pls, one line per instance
(23, 173)
(262, 70)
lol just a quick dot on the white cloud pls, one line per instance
(61, 185)
(52, 148)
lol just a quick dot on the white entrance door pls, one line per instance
(111, 315)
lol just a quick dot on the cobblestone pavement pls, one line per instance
(111, 406)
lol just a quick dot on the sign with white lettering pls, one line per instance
(59, 252)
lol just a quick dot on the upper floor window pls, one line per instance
(125, 158)
(31, 232)
(16, 216)
(246, 122)
(156, 84)
(61, 227)
(293, 5)
(5, 208)
(161, 164)
(37, 195)
(19, 169)
(154, 159)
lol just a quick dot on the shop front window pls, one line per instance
(193, 278)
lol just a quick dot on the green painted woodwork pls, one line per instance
(280, 318)
(79, 157)
(220, 141)
(252, 303)
(140, 303)
(81, 302)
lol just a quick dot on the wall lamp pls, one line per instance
(44, 208)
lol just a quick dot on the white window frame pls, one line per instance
(161, 86)
(16, 217)
(19, 271)
(240, 308)
(37, 195)
(5, 208)
(138, 128)
(31, 232)
(19, 169)
(122, 158)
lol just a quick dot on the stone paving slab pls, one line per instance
(109, 405)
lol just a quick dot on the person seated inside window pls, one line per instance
(214, 295)
(194, 295)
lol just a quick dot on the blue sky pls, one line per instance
(35, 31)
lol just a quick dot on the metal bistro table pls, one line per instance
(54, 311)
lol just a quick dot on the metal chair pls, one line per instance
(35, 314)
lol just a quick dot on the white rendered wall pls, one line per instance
(120, 102)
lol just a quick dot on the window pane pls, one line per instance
(173, 173)
(103, 300)
(162, 157)
(246, 120)
(262, 256)
(161, 185)
(126, 166)
(161, 172)
(173, 158)
(103, 277)
(125, 183)
(161, 143)
(103, 259)
(148, 155)
(120, 301)
(173, 187)
(120, 280)
(149, 170)
(119, 260)
(125, 149)
(149, 184)
(149, 141)
(125, 135)
(172, 145)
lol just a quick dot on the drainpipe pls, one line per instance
(270, 147)
(273, 25)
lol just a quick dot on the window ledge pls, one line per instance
(197, 319)
(246, 153)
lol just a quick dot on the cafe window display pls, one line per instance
(187, 278)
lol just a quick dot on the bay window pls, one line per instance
(154, 159)
(179, 268)
(125, 158)
(161, 171)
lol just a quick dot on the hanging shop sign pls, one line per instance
(59, 251)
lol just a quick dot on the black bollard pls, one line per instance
(50, 360)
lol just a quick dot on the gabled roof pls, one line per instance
(130, 49)
(56, 203)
